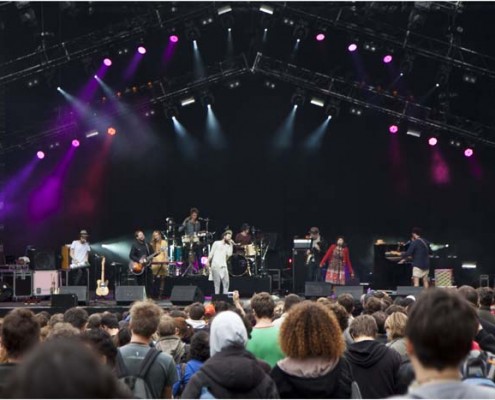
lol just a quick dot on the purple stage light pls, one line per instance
(174, 38)
(75, 143)
(40, 155)
(320, 37)
(107, 62)
(468, 152)
(387, 59)
(432, 141)
(352, 47)
(141, 50)
(393, 129)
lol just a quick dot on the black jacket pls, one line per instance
(233, 373)
(374, 367)
(334, 385)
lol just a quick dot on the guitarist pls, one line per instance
(141, 249)
(314, 255)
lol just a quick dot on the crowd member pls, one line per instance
(102, 344)
(347, 301)
(395, 325)
(110, 324)
(264, 342)
(437, 343)
(77, 317)
(199, 352)
(19, 335)
(471, 295)
(63, 330)
(42, 318)
(55, 318)
(145, 317)
(289, 301)
(485, 295)
(374, 365)
(94, 321)
(196, 316)
(395, 308)
(123, 337)
(372, 305)
(231, 372)
(380, 318)
(168, 341)
(64, 369)
(314, 367)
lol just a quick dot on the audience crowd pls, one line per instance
(440, 345)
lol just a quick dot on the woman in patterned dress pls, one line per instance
(338, 259)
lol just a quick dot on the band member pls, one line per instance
(338, 259)
(159, 267)
(139, 251)
(419, 251)
(217, 261)
(243, 238)
(191, 224)
(314, 256)
(79, 252)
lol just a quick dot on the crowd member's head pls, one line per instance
(363, 327)
(196, 311)
(76, 371)
(109, 323)
(372, 305)
(380, 318)
(227, 330)
(94, 321)
(20, 333)
(102, 344)
(263, 305)
(310, 330)
(77, 317)
(290, 301)
(278, 310)
(42, 318)
(221, 305)
(485, 295)
(44, 333)
(200, 346)
(55, 319)
(184, 330)
(346, 300)
(341, 315)
(408, 302)
(436, 338)
(63, 330)
(470, 294)
(395, 325)
(395, 308)
(210, 311)
(167, 326)
(176, 313)
(145, 317)
(123, 336)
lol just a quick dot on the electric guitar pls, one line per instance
(137, 268)
(102, 284)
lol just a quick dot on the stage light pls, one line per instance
(107, 62)
(356, 111)
(432, 141)
(413, 132)
(141, 50)
(468, 152)
(204, 260)
(75, 143)
(40, 155)
(387, 59)
(469, 78)
(59, 88)
(317, 101)
(189, 100)
(320, 37)
(174, 38)
(92, 133)
(437, 85)
(266, 9)
(111, 131)
(224, 10)
(352, 47)
(393, 128)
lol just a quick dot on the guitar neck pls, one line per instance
(103, 269)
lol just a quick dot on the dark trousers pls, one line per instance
(77, 277)
(313, 272)
(146, 280)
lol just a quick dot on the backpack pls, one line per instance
(181, 369)
(137, 383)
(479, 368)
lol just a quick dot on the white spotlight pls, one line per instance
(414, 132)
(266, 9)
(92, 133)
(189, 100)
(317, 101)
(224, 10)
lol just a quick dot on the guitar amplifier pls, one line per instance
(45, 283)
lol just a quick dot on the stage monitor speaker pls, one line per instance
(409, 290)
(42, 260)
(6, 292)
(125, 295)
(185, 295)
(222, 297)
(64, 301)
(355, 291)
(317, 289)
(81, 293)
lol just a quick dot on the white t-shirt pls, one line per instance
(220, 252)
(80, 251)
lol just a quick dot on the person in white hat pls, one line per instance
(217, 262)
(79, 251)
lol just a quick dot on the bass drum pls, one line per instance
(239, 266)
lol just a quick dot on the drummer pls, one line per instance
(242, 239)
(191, 224)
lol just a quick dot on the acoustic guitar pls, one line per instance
(137, 268)
(102, 284)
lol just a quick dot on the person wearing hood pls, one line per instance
(374, 365)
(168, 341)
(314, 367)
(231, 372)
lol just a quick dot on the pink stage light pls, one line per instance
(320, 37)
(107, 62)
(352, 47)
(204, 260)
(141, 50)
(468, 152)
(432, 141)
(393, 129)
(174, 38)
(75, 143)
(40, 155)
(387, 59)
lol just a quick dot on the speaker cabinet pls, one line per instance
(42, 260)
(125, 295)
(64, 301)
(409, 290)
(317, 289)
(185, 295)
(355, 291)
(45, 282)
(81, 292)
